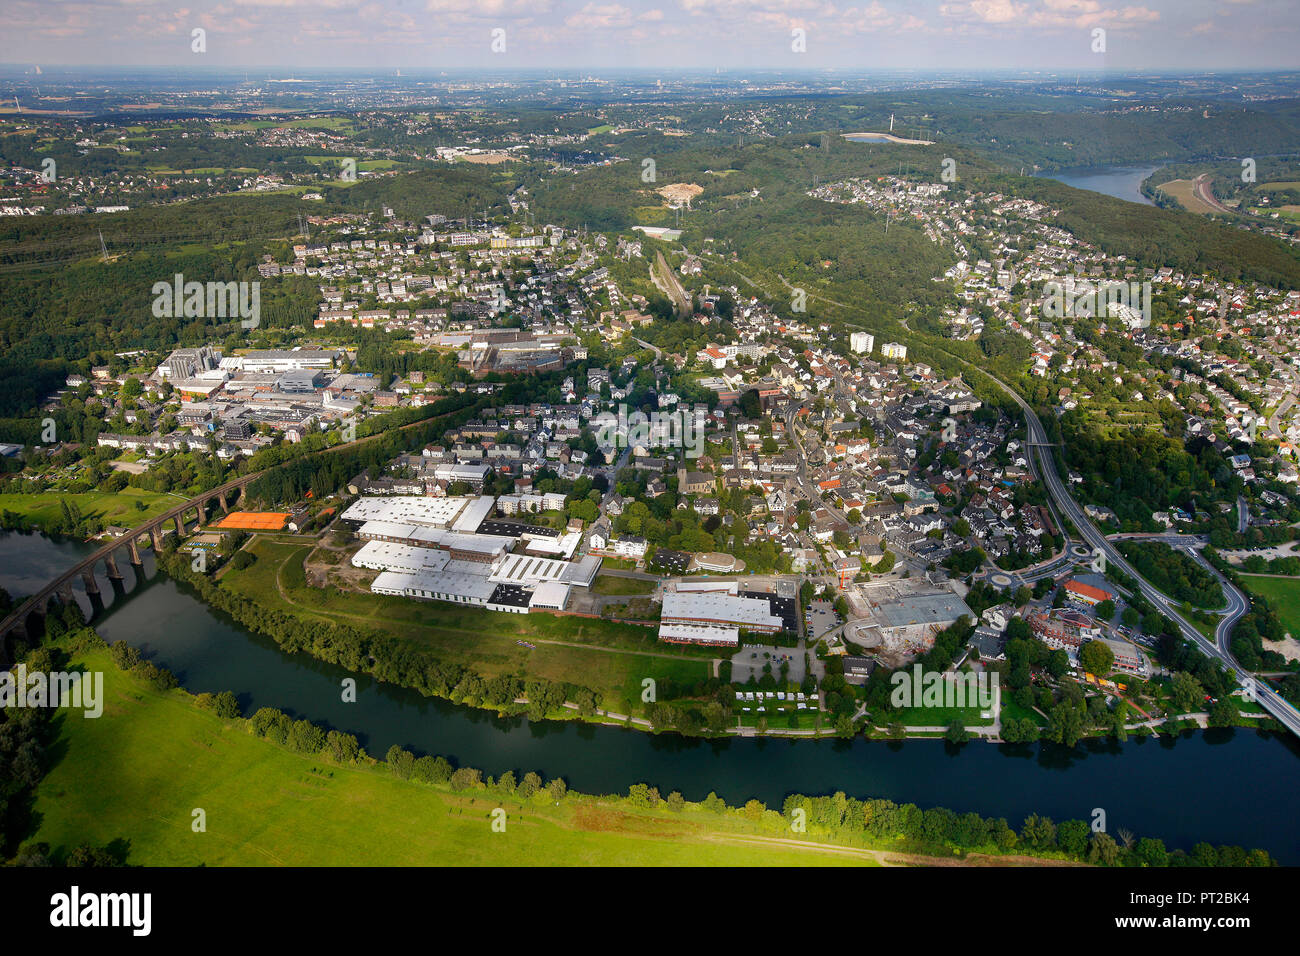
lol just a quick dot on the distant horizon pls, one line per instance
(921, 35)
(1094, 73)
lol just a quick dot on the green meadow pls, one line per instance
(118, 508)
(137, 774)
(610, 657)
(1282, 594)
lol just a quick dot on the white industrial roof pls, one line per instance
(552, 594)
(472, 515)
(408, 509)
(718, 608)
(711, 634)
(390, 556)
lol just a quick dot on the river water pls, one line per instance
(1228, 786)
(1122, 182)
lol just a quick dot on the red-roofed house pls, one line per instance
(1086, 593)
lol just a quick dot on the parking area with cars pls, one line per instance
(750, 659)
(819, 618)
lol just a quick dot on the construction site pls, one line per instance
(898, 620)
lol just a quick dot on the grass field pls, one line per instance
(1283, 594)
(1013, 711)
(938, 716)
(1182, 191)
(606, 656)
(606, 584)
(111, 508)
(137, 773)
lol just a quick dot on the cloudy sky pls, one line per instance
(1189, 35)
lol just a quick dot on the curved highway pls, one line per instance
(1220, 649)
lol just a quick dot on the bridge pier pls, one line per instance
(110, 562)
(155, 538)
(88, 578)
(225, 505)
(180, 526)
(133, 547)
(65, 593)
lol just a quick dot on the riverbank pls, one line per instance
(1141, 783)
(530, 665)
(161, 779)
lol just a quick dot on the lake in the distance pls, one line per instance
(1122, 182)
(1229, 786)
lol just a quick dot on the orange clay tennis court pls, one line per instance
(254, 520)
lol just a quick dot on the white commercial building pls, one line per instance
(407, 509)
(707, 608)
(700, 634)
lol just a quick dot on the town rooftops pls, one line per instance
(1087, 591)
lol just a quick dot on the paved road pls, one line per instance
(1220, 649)
(1275, 419)
(809, 489)
(646, 345)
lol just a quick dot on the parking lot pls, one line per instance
(750, 660)
(820, 618)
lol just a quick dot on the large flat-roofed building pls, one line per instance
(712, 634)
(483, 548)
(407, 509)
(725, 610)
(1127, 657)
(300, 380)
(455, 584)
(918, 617)
(442, 564)
(551, 596)
(472, 515)
(283, 360)
(471, 474)
(526, 569)
(403, 558)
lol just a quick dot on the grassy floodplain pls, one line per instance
(612, 658)
(137, 773)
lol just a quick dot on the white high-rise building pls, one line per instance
(894, 350)
(862, 342)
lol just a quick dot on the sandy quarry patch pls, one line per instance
(680, 192)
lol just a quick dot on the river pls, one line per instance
(1122, 182)
(1227, 786)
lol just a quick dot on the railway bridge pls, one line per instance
(151, 531)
